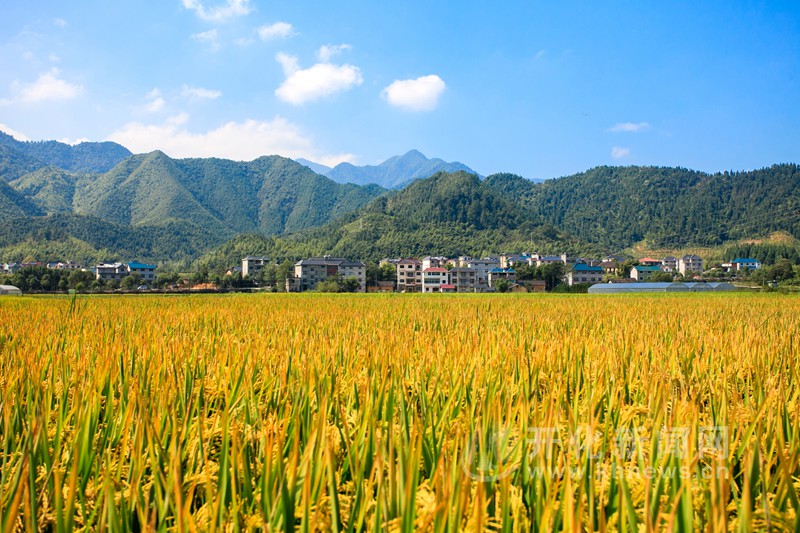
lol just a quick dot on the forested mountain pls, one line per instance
(14, 205)
(90, 157)
(393, 173)
(159, 209)
(616, 207)
(89, 239)
(269, 195)
(448, 213)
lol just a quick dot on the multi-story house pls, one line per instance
(464, 279)
(583, 273)
(433, 278)
(548, 260)
(506, 274)
(111, 271)
(354, 269)
(510, 260)
(669, 264)
(409, 275)
(64, 265)
(644, 272)
(745, 264)
(610, 268)
(649, 261)
(690, 264)
(147, 272)
(482, 267)
(434, 262)
(309, 272)
(252, 265)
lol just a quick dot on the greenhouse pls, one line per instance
(614, 288)
(10, 290)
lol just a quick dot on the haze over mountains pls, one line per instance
(96, 201)
(393, 173)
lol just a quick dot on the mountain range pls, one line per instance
(156, 208)
(394, 173)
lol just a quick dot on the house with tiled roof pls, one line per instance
(409, 275)
(644, 272)
(433, 278)
(583, 273)
(463, 279)
(649, 261)
(745, 263)
(505, 274)
(146, 271)
(309, 272)
(669, 264)
(690, 264)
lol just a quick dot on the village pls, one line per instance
(526, 272)
(503, 273)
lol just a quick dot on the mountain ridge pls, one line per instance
(393, 173)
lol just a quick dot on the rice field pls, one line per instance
(400, 412)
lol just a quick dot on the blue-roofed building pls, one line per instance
(147, 272)
(644, 272)
(745, 263)
(583, 273)
(497, 274)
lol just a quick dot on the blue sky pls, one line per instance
(541, 89)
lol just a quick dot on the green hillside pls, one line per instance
(451, 214)
(87, 157)
(89, 239)
(172, 199)
(14, 204)
(617, 207)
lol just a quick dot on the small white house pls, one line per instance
(746, 263)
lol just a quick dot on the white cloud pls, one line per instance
(219, 13)
(277, 30)
(210, 37)
(328, 51)
(196, 94)
(155, 102)
(421, 94)
(617, 152)
(74, 142)
(49, 86)
(241, 141)
(333, 160)
(315, 82)
(14, 133)
(630, 127)
(61, 23)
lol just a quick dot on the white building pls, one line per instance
(309, 272)
(252, 265)
(111, 271)
(482, 267)
(583, 273)
(147, 272)
(690, 264)
(745, 264)
(409, 275)
(433, 278)
(463, 279)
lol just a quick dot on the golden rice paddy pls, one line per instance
(400, 412)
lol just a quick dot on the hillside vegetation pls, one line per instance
(164, 209)
(617, 207)
(451, 214)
